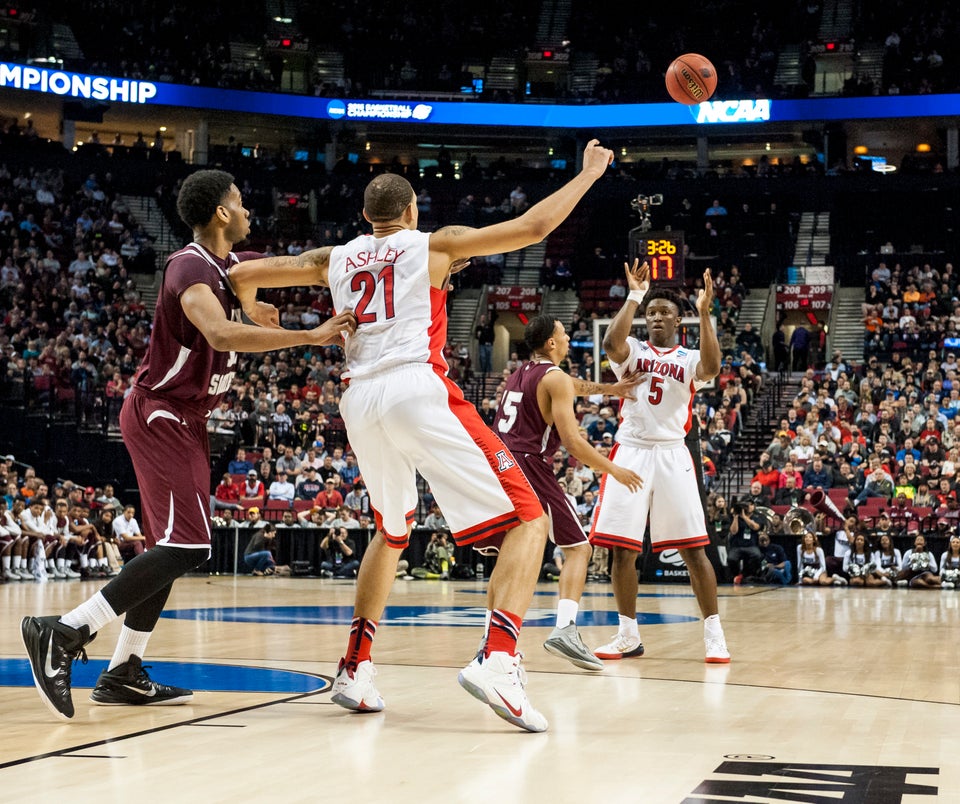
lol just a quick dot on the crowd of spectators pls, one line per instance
(871, 450)
(431, 49)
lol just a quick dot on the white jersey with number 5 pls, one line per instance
(663, 409)
(400, 318)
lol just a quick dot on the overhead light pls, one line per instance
(163, 128)
(284, 20)
(860, 150)
(923, 148)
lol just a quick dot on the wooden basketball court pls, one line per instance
(834, 694)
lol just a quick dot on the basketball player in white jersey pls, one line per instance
(403, 415)
(650, 441)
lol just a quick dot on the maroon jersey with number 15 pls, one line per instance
(179, 363)
(519, 421)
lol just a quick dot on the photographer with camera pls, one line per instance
(338, 555)
(743, 543)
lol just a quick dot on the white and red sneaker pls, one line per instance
(356, 691)
(498, 681)
(620, 647)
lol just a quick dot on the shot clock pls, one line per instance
(663, 251)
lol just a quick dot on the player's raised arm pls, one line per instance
(615, 338)
(457, 242)
(710, 354)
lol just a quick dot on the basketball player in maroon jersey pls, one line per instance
(534, 418)
(197, 332)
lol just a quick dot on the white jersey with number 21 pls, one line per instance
(400, 316)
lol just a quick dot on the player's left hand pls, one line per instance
(263, 314)
(334, 330)
(705, 296)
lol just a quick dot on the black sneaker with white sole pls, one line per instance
(52, 648)
(128, 684)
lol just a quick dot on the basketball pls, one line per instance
(691, 78)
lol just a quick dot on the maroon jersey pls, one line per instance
(519, 421)
(179, 363)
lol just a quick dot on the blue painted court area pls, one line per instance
(455, 616)
(206, 677)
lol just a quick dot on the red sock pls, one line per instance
(503, 633)
(361, 640)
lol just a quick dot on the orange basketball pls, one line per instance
(691, 78)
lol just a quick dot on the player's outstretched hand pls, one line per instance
(705, 296)
(638, 276)
(264, 314)
(627, 385)
(595, 159)
(631, 480)
(333, 329)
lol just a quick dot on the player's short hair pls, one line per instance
(200, 195)
(539, 330)
(386, 197)
(662, 293)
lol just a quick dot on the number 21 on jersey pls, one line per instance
(365, 283)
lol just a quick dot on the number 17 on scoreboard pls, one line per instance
(664, 253)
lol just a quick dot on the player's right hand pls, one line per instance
(627, 478)
(596, 158)
(333, 330)
(638, 276)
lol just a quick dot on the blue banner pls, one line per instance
(717, 112)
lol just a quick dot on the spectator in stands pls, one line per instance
(227, 494)
(127, 530)
(281, 488)
(817, 475)
(800, 348)
(330, 497)
(252, 487)
(759, 495)
(254, 519)
(310, 486)
(767, 475)
(240, 465)
(789, 494)
(877, 482)
(778, 451)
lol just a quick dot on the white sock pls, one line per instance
(5, 560)
(567, 612)
(17, 562)
(84, 561)
(628, 626)
(61, 562)
(131, 643)
(711, 625)
(488, 615)
(95, 614)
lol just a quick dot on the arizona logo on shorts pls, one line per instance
(504, 461)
